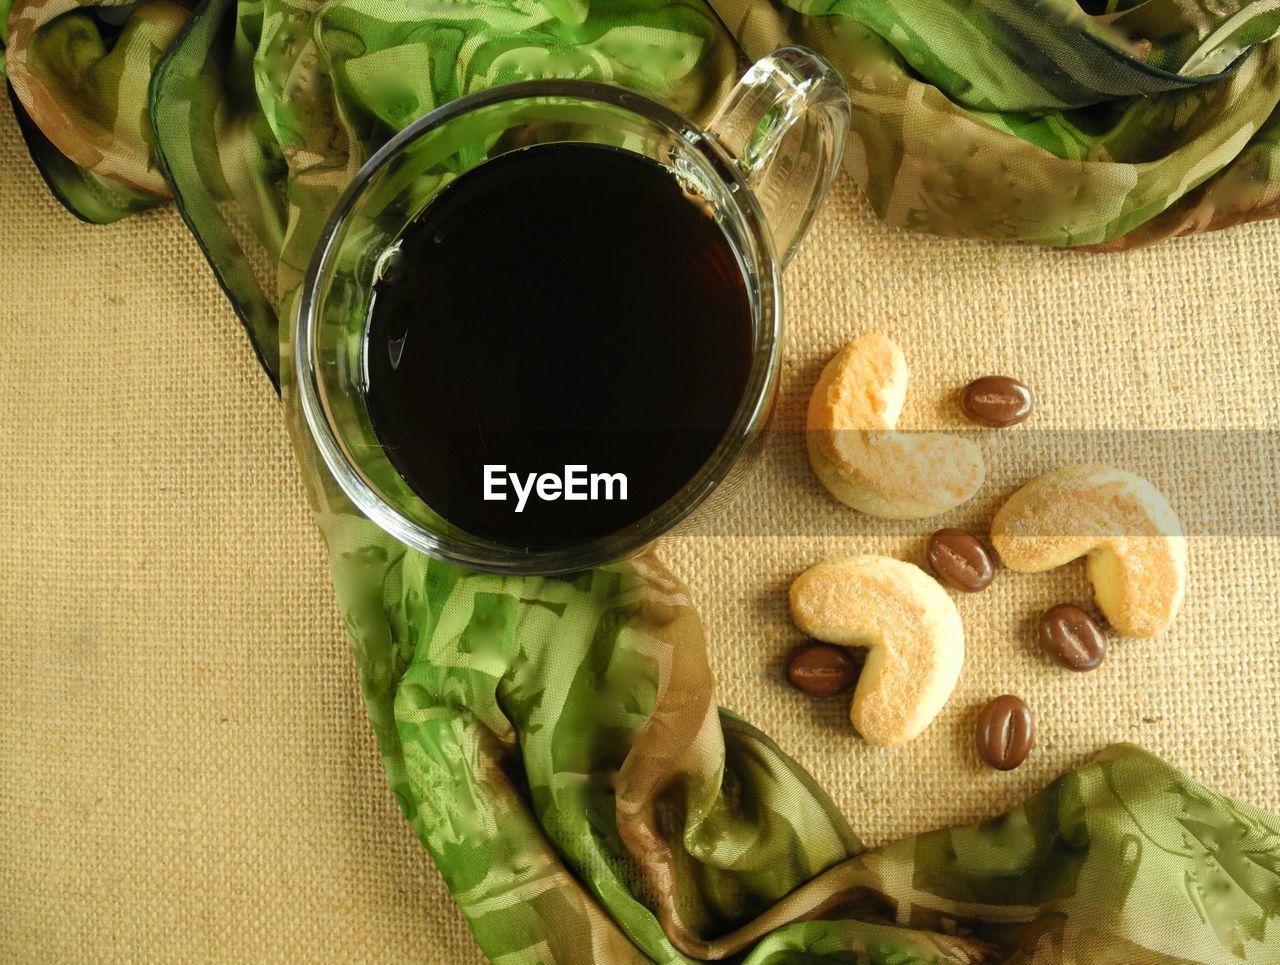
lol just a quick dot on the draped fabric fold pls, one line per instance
(555, 743)
(556, 746)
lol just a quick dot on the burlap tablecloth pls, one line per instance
(185, 767)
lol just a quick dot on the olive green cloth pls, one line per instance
(554, 742)
(187, 772)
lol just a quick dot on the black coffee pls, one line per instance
(565, 312)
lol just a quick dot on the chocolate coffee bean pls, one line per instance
(1005, 732)
(1072, 637)
(959, 560)
(996, 401)
(822, 669)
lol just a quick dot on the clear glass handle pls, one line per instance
(786, 123)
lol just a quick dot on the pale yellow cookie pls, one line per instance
(859, 457)
(1127, 529)
(909, 623)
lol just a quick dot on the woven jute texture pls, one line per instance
(185, 768)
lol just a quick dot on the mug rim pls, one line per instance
(748, 420)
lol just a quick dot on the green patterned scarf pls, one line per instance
(555, 742)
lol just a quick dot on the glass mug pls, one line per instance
(763, 165)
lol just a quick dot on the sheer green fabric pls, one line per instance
(555, 742)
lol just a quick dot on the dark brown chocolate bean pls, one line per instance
(1072, 637)
(996, 401)
(959, 560)
(822, 669)
(1005, 732)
